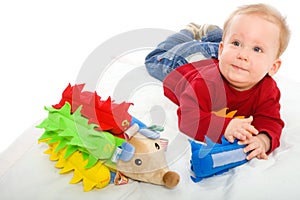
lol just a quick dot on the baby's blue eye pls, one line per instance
(236, 43)
(257, 49)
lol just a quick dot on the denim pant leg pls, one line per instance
(162, 60)
(213, 36)
(176, 39)
(179, 49)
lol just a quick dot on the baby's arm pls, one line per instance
(240, 129)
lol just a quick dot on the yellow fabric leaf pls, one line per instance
(77, 177)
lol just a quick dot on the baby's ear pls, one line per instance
(275, 67)
(221, 46)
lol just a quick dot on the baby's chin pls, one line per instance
(240, 86)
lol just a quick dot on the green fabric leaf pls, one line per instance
(47, 135)
(74, 132)
(62, 144)
(70, 150)
(92, 160)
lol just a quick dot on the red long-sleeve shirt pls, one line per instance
(200, 90)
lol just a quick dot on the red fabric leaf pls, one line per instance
(108, 115)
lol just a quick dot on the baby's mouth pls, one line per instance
(238, 68)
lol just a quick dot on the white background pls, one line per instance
(43, 45)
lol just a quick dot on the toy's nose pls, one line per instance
(171, 179)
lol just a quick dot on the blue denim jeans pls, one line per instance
(179, 49)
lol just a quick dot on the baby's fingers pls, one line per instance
(230, 138)
(251, 129)
(249, 119)
(262, 156)
(256, 153)
(252, 150)
(251, 155)
(241, 135)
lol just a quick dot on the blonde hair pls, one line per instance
(270, 14)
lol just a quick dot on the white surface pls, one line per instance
(43, 46)
(27, 173)
(45, 43)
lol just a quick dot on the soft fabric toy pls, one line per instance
(148, 163)
(86, 135)
(212, 158)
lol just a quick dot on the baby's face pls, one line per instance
(249, 51)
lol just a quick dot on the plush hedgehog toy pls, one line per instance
(101, 143)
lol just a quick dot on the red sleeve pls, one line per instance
(267, 117)
(195, 117)
(195, 113)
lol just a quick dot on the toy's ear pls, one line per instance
(138, 122)
(127, 152)
(149, 133)
(131, 131)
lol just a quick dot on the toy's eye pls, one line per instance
(157, 146)
(138, 162)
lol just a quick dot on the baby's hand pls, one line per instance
(240, 129)
(257, 146)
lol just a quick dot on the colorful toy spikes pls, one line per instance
(97, 176)
(73, 132)
(107, 115)
(78, 147)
